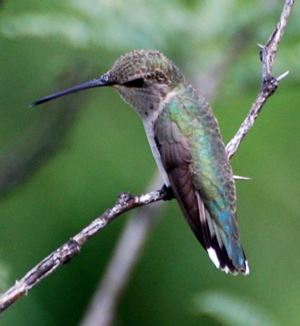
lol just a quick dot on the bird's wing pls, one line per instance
(223, 248)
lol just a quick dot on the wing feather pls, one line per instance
(174, 149)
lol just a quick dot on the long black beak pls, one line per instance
(102, 81)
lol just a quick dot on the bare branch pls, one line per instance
(126, 202)
(269, 82)
(70, 249)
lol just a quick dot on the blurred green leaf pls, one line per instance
(232, 310)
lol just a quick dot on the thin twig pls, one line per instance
(126, 202)
(70, 249)
(269, 82)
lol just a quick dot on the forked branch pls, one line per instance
(269, 82)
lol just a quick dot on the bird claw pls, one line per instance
(169, 194)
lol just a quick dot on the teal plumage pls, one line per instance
(194, 156)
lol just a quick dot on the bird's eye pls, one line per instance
(138, 83)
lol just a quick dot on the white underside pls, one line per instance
(148, 125)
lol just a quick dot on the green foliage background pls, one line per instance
(62, 164)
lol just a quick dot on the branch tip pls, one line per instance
(282, 76)
(239, 177)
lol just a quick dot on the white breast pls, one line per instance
(148, 125)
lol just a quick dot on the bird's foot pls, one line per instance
(169, 194)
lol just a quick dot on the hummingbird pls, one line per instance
(186, 143)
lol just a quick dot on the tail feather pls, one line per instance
(224, 250)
